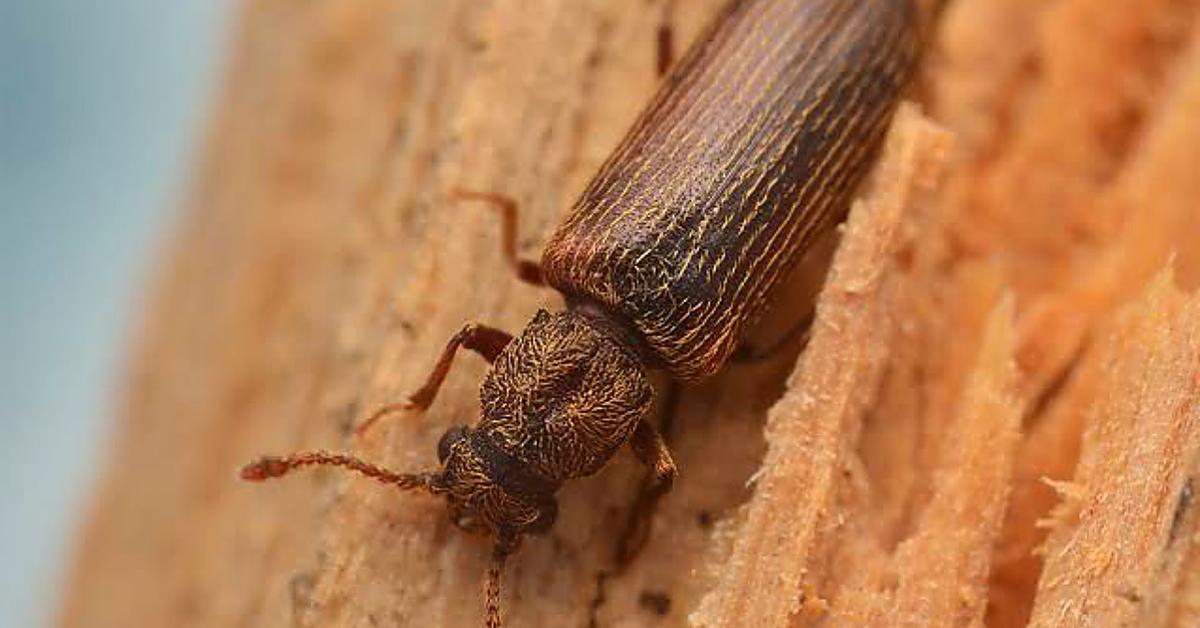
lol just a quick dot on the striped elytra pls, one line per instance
(748, 153)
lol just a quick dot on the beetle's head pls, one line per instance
(489, 492)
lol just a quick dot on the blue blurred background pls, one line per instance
(102, 110)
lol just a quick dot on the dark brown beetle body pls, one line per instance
(743, 159)
(748, 153)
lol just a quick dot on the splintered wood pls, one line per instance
(995, 423)
(1125, 528)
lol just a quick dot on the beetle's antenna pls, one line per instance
(492, 587)
(273, 467)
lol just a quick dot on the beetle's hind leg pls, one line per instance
(526, 270)
(486, 341)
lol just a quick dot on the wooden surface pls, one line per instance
(1005, 369)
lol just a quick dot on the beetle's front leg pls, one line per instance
(486, 341)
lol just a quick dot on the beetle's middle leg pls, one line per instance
(648, 445)
(486, 341)
(651, 450)
(526, 270)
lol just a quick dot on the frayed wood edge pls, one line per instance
(942, 568)
(1125, 529)
(938, 574)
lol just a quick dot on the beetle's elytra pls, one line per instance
(748, 153)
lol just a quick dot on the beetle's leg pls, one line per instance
(527, 270)
(649, 447)
(651, 450)
(665, 41)
(486, 341)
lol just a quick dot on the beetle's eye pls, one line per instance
(447, 441)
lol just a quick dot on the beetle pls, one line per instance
(748, 153)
